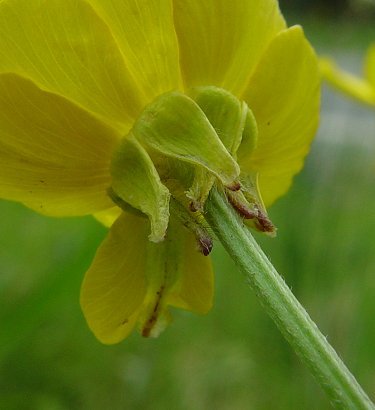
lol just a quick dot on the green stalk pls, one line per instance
(281, 305)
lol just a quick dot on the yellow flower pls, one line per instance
(361, 89)
(127, 108)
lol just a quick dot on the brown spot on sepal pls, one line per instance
(234, 186)
(205, 244)
(194, 206)
(241, 206)
(151, 321)
(264, 224)
(194, 221)
(251, 211)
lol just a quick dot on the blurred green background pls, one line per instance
(233, 358)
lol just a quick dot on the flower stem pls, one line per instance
(279, 302)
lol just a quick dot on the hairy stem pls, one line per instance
(290, 317)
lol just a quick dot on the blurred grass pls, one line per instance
(233, 358)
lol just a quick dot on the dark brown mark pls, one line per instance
(146, 331)
(234, 186)
(205, 245)
(265, 225)
(242, 209)
(194, 206)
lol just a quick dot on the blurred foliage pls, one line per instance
(233, 358)
(331, 8)
(323, 6)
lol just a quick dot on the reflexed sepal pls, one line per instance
(195, 223)
(249, 139)
(249, 204)
(228, 116)
(171, 267)
(200, 189)
(225, 113)
(183, 147)
(135, 181)
(175, 126)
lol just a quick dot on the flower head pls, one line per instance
(133, 110)
(361, 89)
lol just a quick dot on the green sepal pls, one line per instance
(124, 205)
(225, 113)
(136, 182)
(249, 138)
(200, 189)
(250, 191)
(175, 126)
(176, 274)
(163, 262)
(195, 223)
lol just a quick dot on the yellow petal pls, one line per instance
(221, 41)
(115, 285)
(347, 83)
(54, 156)
(284, 95)
(64, 47)
(195, 288)
(370, 66)
(144, 32)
